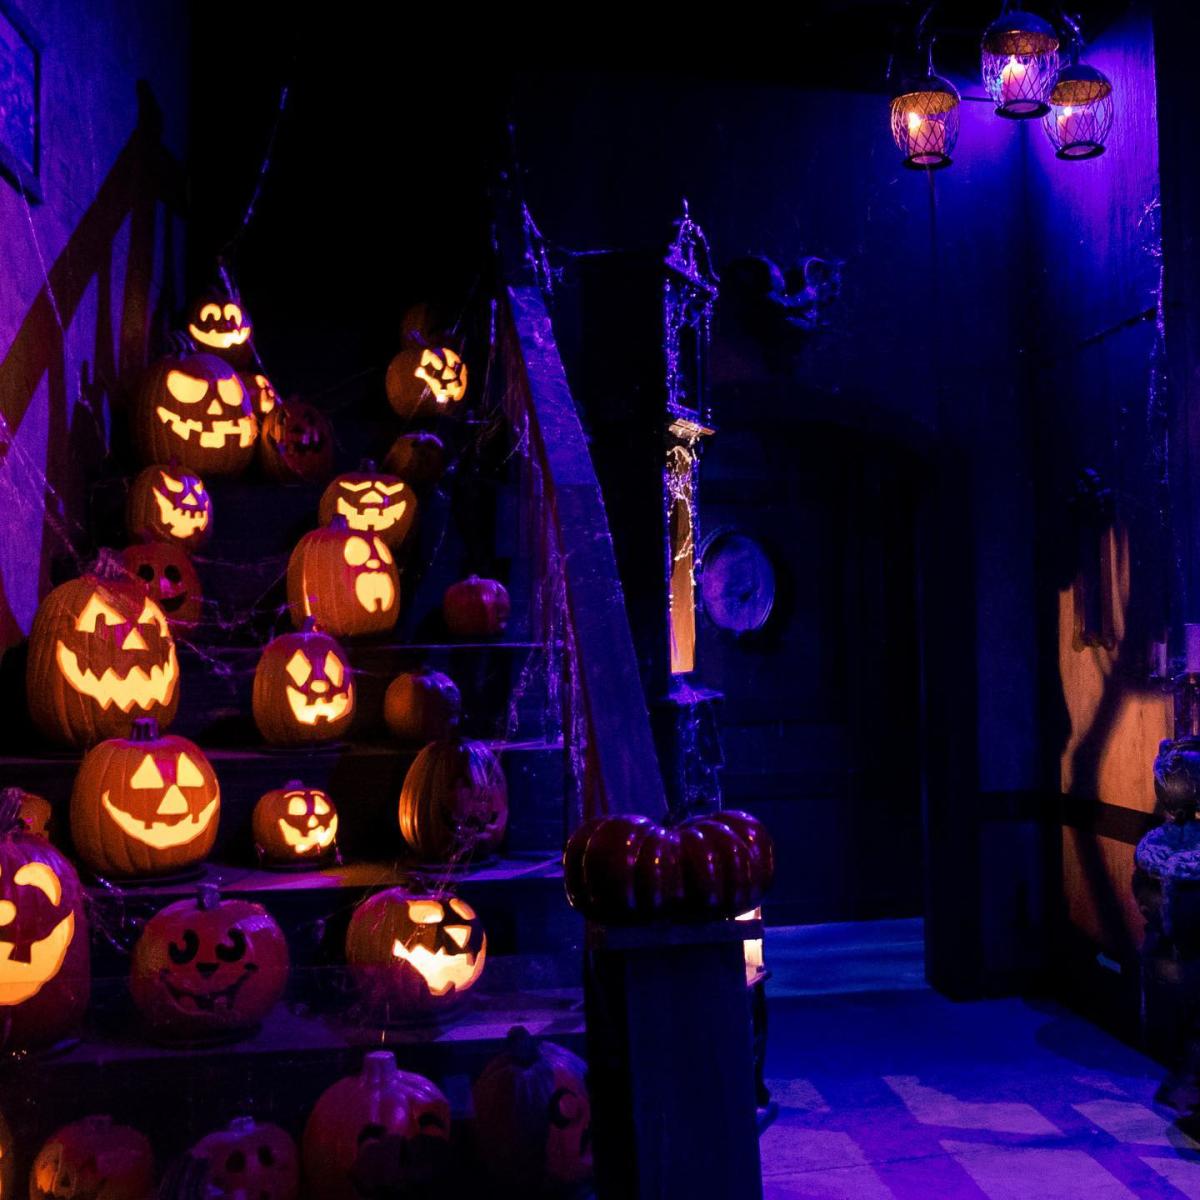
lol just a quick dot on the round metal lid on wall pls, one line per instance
(736, 581)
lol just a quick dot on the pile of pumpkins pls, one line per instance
(380, 1132)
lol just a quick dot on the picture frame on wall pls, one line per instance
(20, 101)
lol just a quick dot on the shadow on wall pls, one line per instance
(48, 523)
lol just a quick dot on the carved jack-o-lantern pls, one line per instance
(170, 580)
(534, 1117)
(144, 805)
(263, 397)
(346, 581)
(45, 963)
(249, 1161)
(303, 689)
(417, 458)
(101, 655)
(169, 505)
(372, 503)
(34, 813)
(208, 967)
(295, 824)
(380, 1102)
(414, 955)
(219, 325)
(421, 706)
(93, 1159)
(454, 802)
(425, 379)
(193, 408)
(296, 443)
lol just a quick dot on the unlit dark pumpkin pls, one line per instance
(170, 579)
(93, 1159)
(249, 1161)
(422, 706)
(417, 458)
(476, 608)
(296, 444)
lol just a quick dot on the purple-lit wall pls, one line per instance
(94, 53)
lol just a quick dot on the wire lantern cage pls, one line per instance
(1020, 64)
(925, 122)
(1081, 112)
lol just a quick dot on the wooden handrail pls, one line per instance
(622, 772)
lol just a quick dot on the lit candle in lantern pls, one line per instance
(926, 135)
(1072, 126)
(1012, 80)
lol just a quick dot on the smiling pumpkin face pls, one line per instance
(101, 655)
(194, 409)
(144, 805)
(167, 504)
(220, 325)
(170, 580)
(372, 503)
(294, 823)
(303, 689)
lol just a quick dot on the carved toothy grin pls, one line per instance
(309, 712)
(221, 339)
(138, 689)
(441, 971)
(23, 978)
(209, 1002)
(182, 522)
(162, 834)
(306, 843)
(371, 517)
(375, 591)
(244, 428)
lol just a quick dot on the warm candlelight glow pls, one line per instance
(1012, 80)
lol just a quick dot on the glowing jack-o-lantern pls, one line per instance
(426, 379)
(101, 655)
(412, 956)
(365, 1111)
(372, 503)
(303, 689)
(45, 963)
(249, 1161)
(170, 580)
(192, 408)
(454, 802)
(295, 824)
(220, 325)
(534, 1117)
(144, 805)
(264, 399)
(93, 1159)
(296, 443)
(169, 505)
(208, 967)
(346, 581)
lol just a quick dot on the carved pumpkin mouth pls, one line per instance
(310, 712)
(222, 339)
(139, 688)
(371, 517)
(444, 374)
(166, 829)
(321, 838)
(182, 522)
(440, 970)
(214, 435)
(219, 1000)
(24, 976)
(375, 591)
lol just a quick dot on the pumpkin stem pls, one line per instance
(378, 1067)
(294, 785)
(521, 1046)
(10, 811)
(145, 729)
(208, 896)
(310, 623)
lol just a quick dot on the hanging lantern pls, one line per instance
(1020, 62)
(1081, 112)
(925, 122)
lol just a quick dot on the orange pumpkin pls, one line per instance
(476, 608)
(249, 1161)
(426, 380)
(220, 325)
(454, 802)
(417, 458)
(372, 503)
(170, 580)
(347, 582)
(144, 805)
(101, 655)
(296, 444)
(94, 1157)
(169, 505)
(295, 824)
(422, 706)
(263, 396)
(303, 689)
(35, 814)
(192, 408)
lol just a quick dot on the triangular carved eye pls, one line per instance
(95, 612)
(390, 489)
(355, 487)
(187, 774)
(298, 668)
(174, 485)
(187, 389)
(147, 775)
(460, 935)
(151, 614)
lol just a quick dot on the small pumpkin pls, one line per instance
(45, 958)
(418, 458)
(207, 967)
(476, 608)
(347, 582)
(422, 706)
(294, 823)
(219, 324)
(249, 1161)
(533, 1116)
(414, 955)
(263, 397)
(34, 812)
(296, 444)
(168, 504)
(170, 580)
(93, 1159)
(623, 868)
(8, 1171)
(372, 502)
(101, 655)
(303, 689)
(454, 801)
(728, 862)
(379, 1103)
(144, 805)
(193, 409)
(426, 380)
